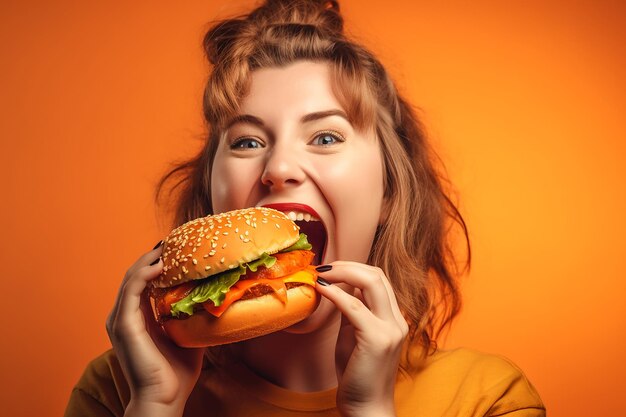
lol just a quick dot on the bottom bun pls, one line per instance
(244, 319)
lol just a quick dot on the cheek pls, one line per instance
(354, 188)
(232, 184)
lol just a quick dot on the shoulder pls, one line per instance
(102, 386)
(471, 383)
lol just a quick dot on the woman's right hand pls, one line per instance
(160, 374)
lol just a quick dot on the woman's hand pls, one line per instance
(161, 375)
(370, 340)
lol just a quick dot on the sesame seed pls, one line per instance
(185, 270)
(246, 240)
(213, 245)
(222, 260)
(195, 262)
(224, 246)
(247, 233)
(225, 233)
(212, 253)
(206, 268)
(277, 226)
(206, 256)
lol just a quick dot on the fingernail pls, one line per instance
(323, 282)
(156, 261)
(157, 245)
(324, 268)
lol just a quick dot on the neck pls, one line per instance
(297, 362)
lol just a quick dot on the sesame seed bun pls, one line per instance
(207, 246)
(243, 320)
(210, 245)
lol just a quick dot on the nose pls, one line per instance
(282, 169)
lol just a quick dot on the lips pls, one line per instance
(310, 223)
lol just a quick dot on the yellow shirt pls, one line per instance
(459, 382)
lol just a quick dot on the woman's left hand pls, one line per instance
(370, 340)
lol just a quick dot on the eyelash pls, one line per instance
(336, 135)
(236, 142)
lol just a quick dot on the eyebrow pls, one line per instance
(307, 118)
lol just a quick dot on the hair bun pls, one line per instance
(323, 15)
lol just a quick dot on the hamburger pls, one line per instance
(233, 276)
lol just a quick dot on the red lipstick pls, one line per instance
(286, 207)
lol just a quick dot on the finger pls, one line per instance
(144, 260)
(152, 326)
(354, 309)
(395, 307)
(369, 280)
(130, 293)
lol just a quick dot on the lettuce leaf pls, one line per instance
(265, 260)
(301, 244)
(213, 289)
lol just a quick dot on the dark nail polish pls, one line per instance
(324, 268)
(155, 261)
(323, 282)
(157, 245)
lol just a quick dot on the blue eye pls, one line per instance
(327, 139)
(246, 143)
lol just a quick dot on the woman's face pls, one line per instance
(292, 146)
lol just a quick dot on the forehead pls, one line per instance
(300, 88)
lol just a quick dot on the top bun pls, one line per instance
(217, 243)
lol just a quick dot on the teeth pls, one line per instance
(293, 216)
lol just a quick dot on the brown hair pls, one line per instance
(413, 245)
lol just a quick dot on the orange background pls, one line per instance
(524, 100)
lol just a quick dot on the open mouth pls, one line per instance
(310, 224)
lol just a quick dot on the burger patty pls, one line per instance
(262, 289)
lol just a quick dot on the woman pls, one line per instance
(299, 114)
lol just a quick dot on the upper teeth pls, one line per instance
(298, 215)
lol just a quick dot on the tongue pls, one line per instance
(316, 235)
